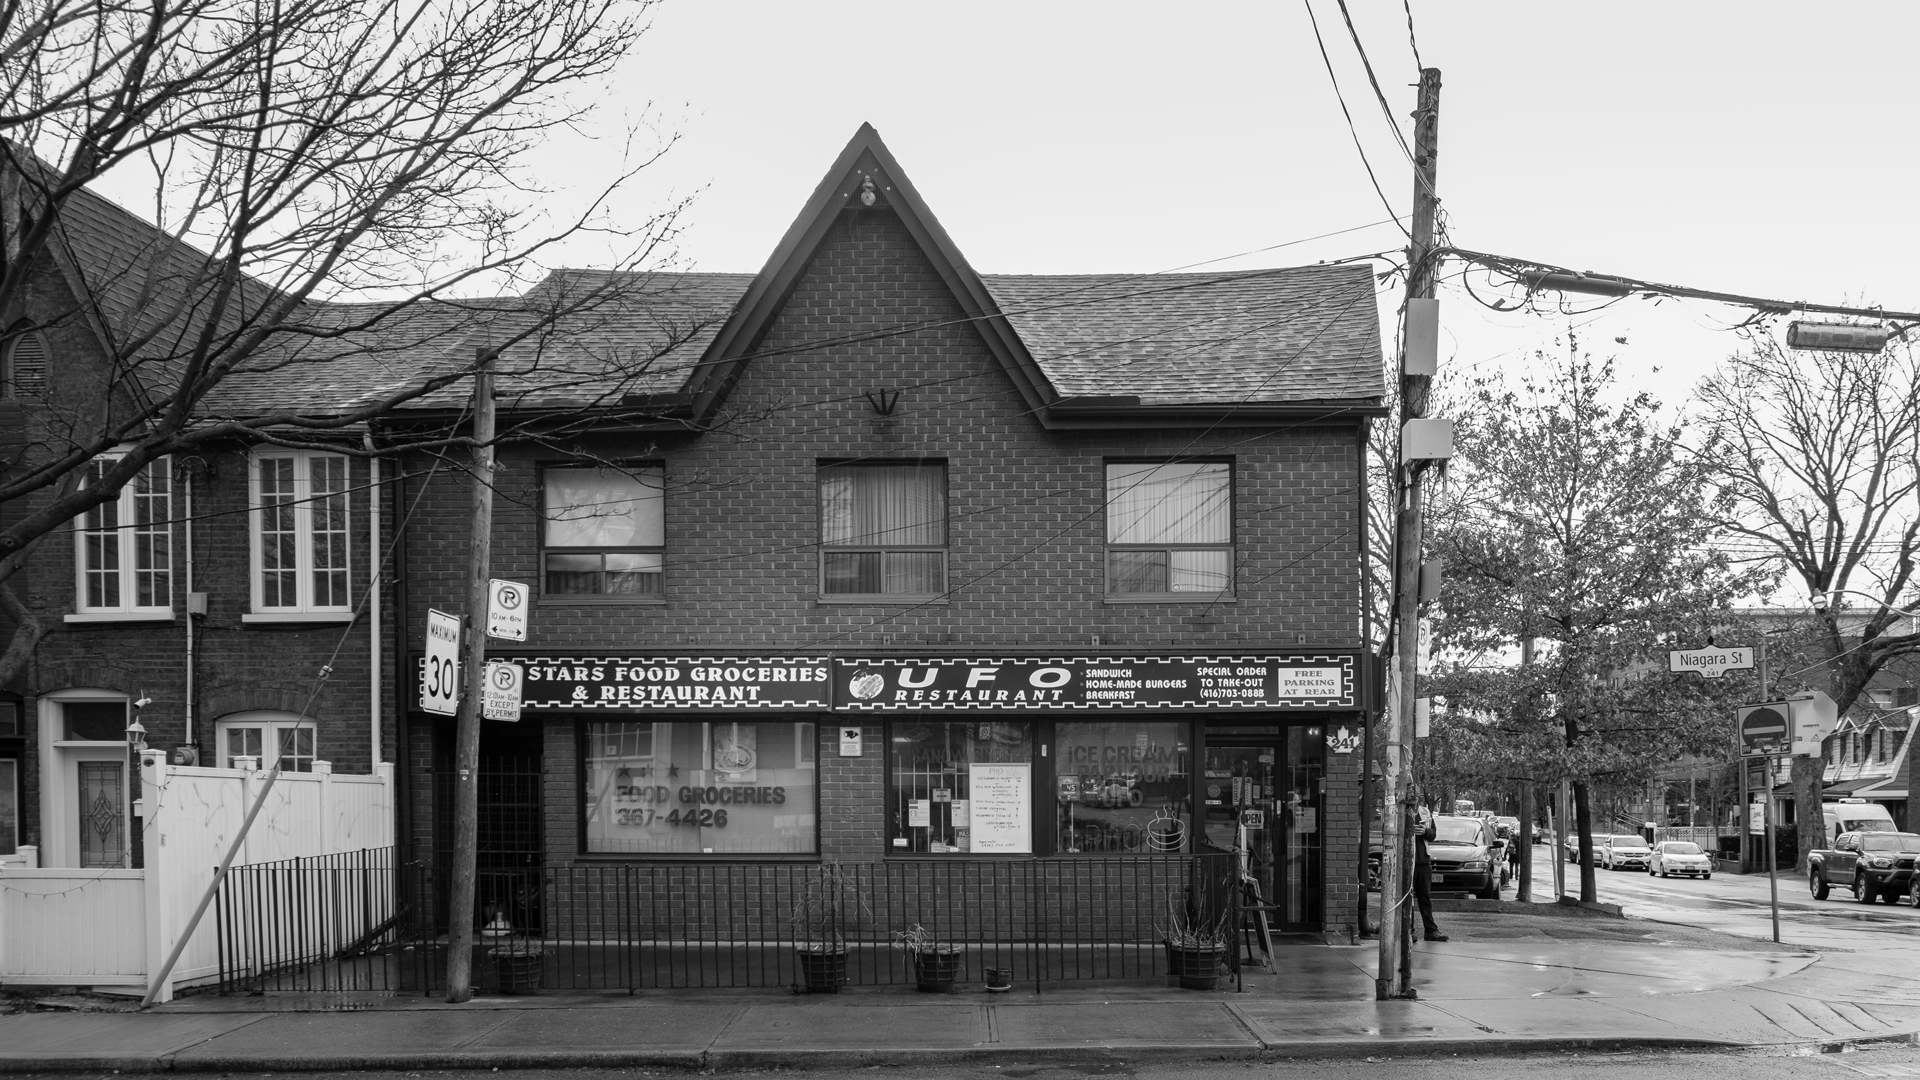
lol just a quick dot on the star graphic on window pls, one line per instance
(673, 770)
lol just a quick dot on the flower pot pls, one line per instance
(823, 970)
(519, 972)
(999, 980)
(937, 970)
(1196, 966)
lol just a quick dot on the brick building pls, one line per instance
(888, 562)
(865, 558)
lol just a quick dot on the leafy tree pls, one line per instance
(1817, 459)
(1585, 528)
(300, 155)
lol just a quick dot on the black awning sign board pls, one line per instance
(1763, 725)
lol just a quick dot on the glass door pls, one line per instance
(1271, 783)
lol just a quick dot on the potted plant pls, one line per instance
(826, 907)
(518, 963)
(1196, 943)
(936, 966)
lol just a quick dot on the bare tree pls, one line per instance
(328, 178)
(1818, 455)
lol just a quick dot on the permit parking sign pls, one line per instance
(500, 694)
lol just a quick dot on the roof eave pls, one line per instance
(1074, 413)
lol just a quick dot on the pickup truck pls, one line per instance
(1872, 864)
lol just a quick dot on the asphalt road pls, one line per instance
(1739, 904)
(1889, 1062)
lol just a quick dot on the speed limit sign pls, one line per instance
(440, 677)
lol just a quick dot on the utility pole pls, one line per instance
(466, 781)
(1397, 869)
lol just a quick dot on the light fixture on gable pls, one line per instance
(868, 196)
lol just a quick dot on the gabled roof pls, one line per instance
(1085, 349)
(1082, 350)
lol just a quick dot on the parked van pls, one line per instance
(1854, 815)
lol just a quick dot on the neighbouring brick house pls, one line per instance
(896, 564)
(221, 599)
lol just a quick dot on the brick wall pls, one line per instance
(1025, 509)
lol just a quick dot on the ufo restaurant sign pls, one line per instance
(944, 684)
(1296, 681)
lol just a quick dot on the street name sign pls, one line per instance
(440, 679)
(500, 691)
(1765, 726)
(1710, 662)
(506, 610)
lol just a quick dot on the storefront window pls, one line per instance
(1123, 786)
(714, 788)
(960, 788)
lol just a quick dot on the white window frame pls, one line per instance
(270, 724)
(303, 531)
(126, 568)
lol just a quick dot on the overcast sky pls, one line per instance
(1764, 148)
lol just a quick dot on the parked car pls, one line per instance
(1507, 826)
(1872, 864)
(1573, 848)
(1625, 851)
(1465, 857)
(1680, 857)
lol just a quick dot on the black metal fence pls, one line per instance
(358, 922)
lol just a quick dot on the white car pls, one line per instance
(1681, 857)
(1626, 852)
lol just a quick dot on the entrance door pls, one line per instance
(1270, 779)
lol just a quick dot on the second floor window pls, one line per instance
(883, 530)
(300, 532)
(124, 546)
(23, 364)
(1169, 529)
(604, 531)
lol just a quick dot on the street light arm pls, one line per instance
(1819, 598)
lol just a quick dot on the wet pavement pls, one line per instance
(1689, 967)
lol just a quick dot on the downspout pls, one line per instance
(373, 608)
(193, 739)
(402, 751)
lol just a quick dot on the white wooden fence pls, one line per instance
(116, 927)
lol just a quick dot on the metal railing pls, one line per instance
(315, 925)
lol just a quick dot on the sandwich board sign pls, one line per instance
(1763, 728)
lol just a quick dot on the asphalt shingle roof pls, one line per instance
(1298, 334)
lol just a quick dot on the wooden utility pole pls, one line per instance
(466, 779)
(1396, 871)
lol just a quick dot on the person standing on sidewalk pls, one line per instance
(1423, 831)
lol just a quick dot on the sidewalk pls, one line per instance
(1507, 982)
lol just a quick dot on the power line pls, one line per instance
(1344, 111)
(1385, 109)
(1411, 40)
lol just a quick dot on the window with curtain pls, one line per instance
(125, 557)
(1169, 529)
(883, 530)
(604, 531)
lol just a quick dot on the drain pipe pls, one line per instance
(186, 472)
(374, 562)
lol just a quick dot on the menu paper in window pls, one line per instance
(919, 814)
(1000, 808)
